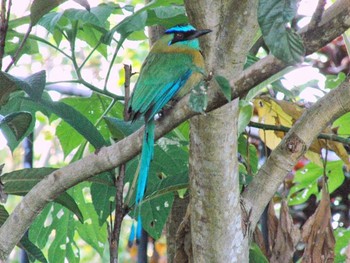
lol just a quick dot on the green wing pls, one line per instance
(162, 76)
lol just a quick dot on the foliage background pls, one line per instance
(58, 231)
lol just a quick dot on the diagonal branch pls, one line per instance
(334, 22)
(293, 146)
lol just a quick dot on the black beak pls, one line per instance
(199, 33)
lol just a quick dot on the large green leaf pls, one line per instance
(33, 85)
(245, 114)
(3, 215)
(249, 154)
(306, 181)
(342, 237)
(170, 163)
(57, 223)
(256, 255)
(274, 17)
(15, 127)
(80, 115)
(77, 121)
(42, 7)
(343, 125)
(225, 87)
(33, 251)
(20, 182)
(91, 231)
(92, 24)
(156, 12)
(56, 228)
(103, 197)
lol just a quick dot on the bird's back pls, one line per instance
(169, 71)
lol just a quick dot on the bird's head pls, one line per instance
(185, 35)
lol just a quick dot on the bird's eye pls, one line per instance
(179, 36)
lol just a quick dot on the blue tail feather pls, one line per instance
(146, 157)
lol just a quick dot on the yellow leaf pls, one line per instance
(284, 113)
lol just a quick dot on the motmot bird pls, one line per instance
(173, 66)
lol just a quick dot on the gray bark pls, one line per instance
(216, 231)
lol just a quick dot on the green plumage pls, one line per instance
(173, 66)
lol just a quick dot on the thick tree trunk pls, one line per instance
(216, 228)
(215, 210)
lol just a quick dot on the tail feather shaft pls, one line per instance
(146, 157)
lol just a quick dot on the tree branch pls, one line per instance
(334, 22)
(330, 137)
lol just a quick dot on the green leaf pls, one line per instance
(156, 12)
(103, 198)
(154, 214)
(42, 7)
(63, 247)
(36, 85)
(13, 41)
(91, 231)
(333, 81)
(245, 114)
(92, 36)
(32, 250)
(249, 154)
(225, 87)
(20, 182)
(3, 215)
(13, 23)
(167, 16)
(77, 121)
(256, 255)
(251, 59)
(343, 125)
(170, 162)
(9, 83)
(50, 21)
(93, 108)
(7, 86)
(18, 123)
(32, 85)
(342, 237)
(306, 181)
(120, 128)
(258, 88)
(274, 17)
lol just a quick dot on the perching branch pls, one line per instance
(335, 21)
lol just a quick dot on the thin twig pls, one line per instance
(317, 16)
(120, 210)
(119, 45)
(19, 49)
(128, 74)
(331, 137)
(4, 19)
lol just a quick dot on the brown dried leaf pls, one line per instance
(272, 226)
(318, 235)
(287, 237)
